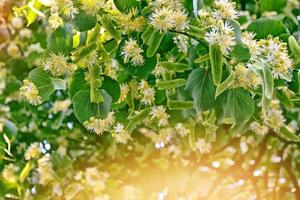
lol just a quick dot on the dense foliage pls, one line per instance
(142, 99)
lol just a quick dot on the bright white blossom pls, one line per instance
(222, 33)
(132, 53)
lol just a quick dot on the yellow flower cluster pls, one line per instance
(222, 33)
(130, 22)
(158, 113)
(124, 92)
(276, 54)
(30, 92)
(57, 65)
(61, 106)
(99, 126)
(225, 9)
(91, 7)
(33, 151)
(245, 77)
(146, 93)
(45, 170)
(9, 173)
(132, 53)
(273, 119)
(120, 134)
(166, 17)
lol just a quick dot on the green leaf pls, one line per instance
(84, 108)
(271, 5)
(61, 40)
(32, 11)
(180, 105)
(146, 36)
(216, 61)
(239, 105)
(154, 43)
(237, 29)
(42, 81)
(135, 120)
(225, 84)
(77, 83)
(286, 133)
(201, 86)
(112, 87)
(85, 22)
(295, 49)
(10, 129)
(176, 67)
(26, 170)
(163, 85)
(109, 26)
(263, 27)
(125, 5)
(241, 52)
(268, 82)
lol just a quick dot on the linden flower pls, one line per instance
(180, 20)
(162, 19)
(99, 126)
(148, 96)
(173, 4)
(9, 172)
(120, 134)
(159, 113)
(225, 9)
(124, 93)
(57, 64)
(30, 92)
(33, 151)
(147, 93)
(45, 170)
(223, 35)
(129, 22)
(91, 7)
(274, 119)
(203, 146)
(276, 53)
(55, 21)
(132, 52)
(13, 50)
(181, 42)
(248, 39)
(259, 129)
(181, 130)
(245, 77)
(61, 106)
